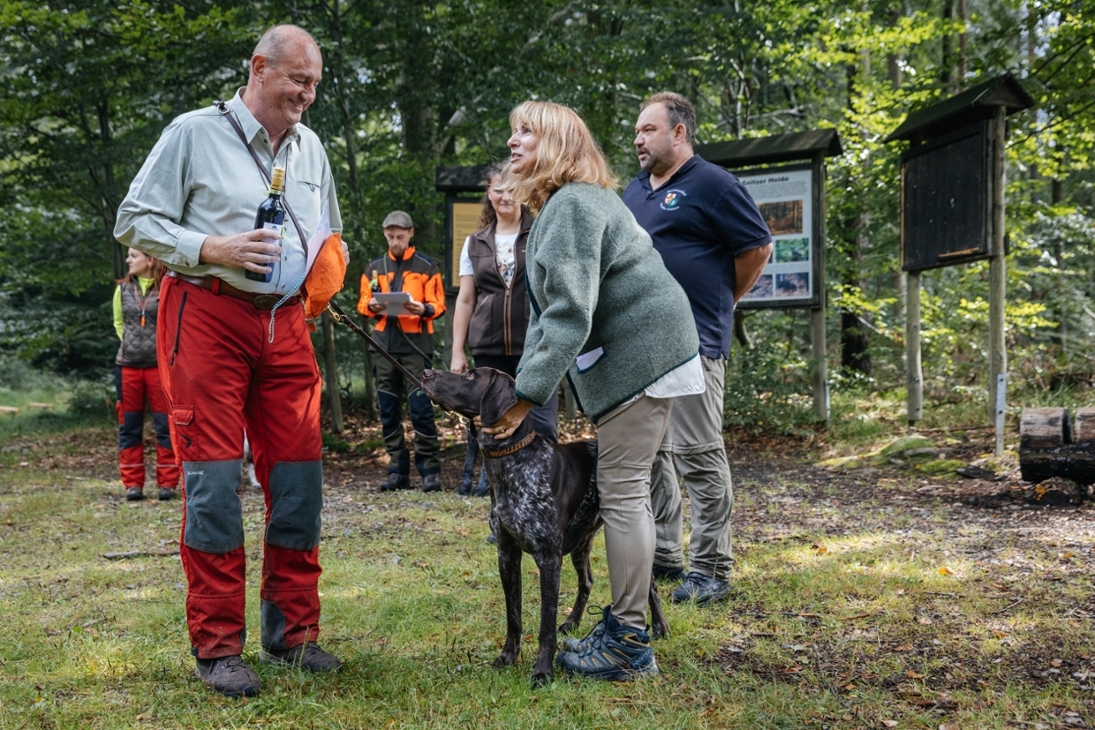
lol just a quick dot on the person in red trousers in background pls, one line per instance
(137, 379)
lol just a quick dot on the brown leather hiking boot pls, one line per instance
(306, 656)
(229, 676)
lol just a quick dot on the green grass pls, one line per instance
(856, 603)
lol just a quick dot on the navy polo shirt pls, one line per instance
(699, 220)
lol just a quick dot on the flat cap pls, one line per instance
(398, 219)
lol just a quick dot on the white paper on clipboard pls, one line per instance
(393, 301)
(319, 237)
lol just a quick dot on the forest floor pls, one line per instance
(866, 597)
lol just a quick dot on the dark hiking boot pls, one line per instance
(664, 574)
(431, 483)
(572, 644)
(229, 676)
(304, 656)
(134, 494)
(166, 494)
(615, 653)
(395, 481)
(700, 589)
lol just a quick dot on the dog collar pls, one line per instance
(512, 448)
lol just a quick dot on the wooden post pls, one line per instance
(335, 398)
(818, 345)
(998, 362)
(914, 375)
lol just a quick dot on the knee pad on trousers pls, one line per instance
(163, 431)
(214, 516)
(422, 414)
(130, 433)
(391, 413)
(296, 500)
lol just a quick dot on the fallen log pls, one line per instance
(1050, 446)
(140, 554)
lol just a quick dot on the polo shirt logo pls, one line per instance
(672, 199)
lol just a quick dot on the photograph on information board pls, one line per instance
(784, 198)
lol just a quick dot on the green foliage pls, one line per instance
(93, 400)
(408, 86)
(768, 385)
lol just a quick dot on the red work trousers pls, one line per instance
(221, 375)
(135, 387)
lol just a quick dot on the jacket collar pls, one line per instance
(489, 231)
(250, 125)
(644, 175)
(407, 255)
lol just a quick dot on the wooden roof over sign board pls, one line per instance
(961, 110)
(461, 179)
(772, 149)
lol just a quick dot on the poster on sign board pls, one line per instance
(785, 199)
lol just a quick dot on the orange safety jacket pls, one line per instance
(415, 274)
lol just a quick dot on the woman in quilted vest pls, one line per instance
(137, 379)
(492, 307)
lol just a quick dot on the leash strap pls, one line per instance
(225, 112)
(341, 316)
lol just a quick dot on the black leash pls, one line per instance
(340, 316)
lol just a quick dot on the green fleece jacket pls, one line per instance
(605, 311)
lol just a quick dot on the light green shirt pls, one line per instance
(119, 318)
(200, 180)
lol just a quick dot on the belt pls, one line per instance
(262, 302)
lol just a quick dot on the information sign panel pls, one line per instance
(463, 218)
(785, 197)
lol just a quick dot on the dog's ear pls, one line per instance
(500, 396)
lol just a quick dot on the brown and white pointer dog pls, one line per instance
(544, 502)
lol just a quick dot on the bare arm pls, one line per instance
(461, 322)
(747, 268)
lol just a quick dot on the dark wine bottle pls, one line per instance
(271, 215)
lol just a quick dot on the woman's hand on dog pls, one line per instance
(510, 420)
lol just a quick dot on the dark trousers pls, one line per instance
(390, 388)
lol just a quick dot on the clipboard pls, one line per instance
(393, 302)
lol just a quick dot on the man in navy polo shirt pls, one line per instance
(714, 241)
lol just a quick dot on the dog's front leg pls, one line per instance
(509, 569)
(549, 566)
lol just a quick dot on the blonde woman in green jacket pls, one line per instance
(608, 315)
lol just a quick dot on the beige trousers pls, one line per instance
(693, 449)
(628, 440)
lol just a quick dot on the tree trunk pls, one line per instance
(854, 353)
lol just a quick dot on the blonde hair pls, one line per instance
(566, 153)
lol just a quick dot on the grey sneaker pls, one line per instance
(616, 653)
(700, 589)
(306, 656)
(431, 483)
(134, 494)
(229, 676)
(166, 494)
(395, 481)
(665, 574)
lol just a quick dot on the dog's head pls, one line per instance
(483, 392)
